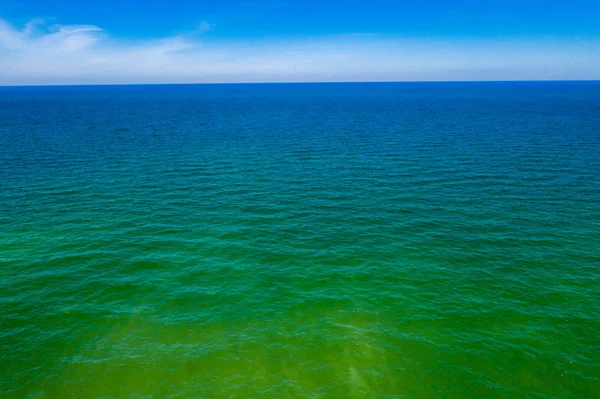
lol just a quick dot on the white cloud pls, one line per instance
(36, 36)
(83, 54)
(205, 27)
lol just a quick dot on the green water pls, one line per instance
(302, 241)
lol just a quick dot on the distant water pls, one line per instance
(431, 240)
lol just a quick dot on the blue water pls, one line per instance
(368, 240)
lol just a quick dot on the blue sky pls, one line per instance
(75, 42)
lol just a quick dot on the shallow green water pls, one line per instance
(301, 241)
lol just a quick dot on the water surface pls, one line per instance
(430, 240)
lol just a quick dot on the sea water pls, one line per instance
(377, 240)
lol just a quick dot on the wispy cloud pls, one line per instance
(36, 35)
(204, 27)
(39, 53)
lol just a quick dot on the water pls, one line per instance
(430, 240)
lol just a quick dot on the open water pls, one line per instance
(380, 240)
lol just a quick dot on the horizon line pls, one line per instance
(301, 82)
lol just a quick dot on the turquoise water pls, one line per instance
(300, 241)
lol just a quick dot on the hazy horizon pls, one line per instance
(302, 82)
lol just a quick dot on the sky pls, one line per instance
(182, 41)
